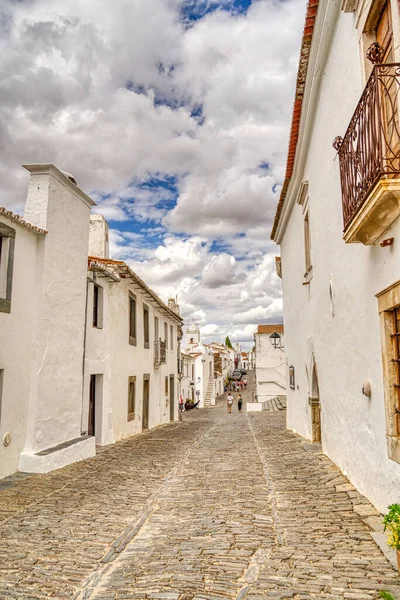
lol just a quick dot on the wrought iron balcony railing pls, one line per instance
(370, 149)
(160, 355)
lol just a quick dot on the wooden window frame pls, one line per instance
(132, 315)
(146, 326)
(97, 306)
(7, 236)
(171, 334)
(131, 402)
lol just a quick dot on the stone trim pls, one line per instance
(388, 299)
(8, 233)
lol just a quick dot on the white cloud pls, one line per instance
(105, 91)
(221, 270)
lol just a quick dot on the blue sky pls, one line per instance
(193, 10)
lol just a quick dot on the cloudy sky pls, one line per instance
(174, 116)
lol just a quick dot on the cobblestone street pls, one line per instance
(219, 506)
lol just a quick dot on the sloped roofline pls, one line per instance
(125, 272)
(311, 13)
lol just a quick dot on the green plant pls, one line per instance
(391, 524)
(228, 343)
(386, 595)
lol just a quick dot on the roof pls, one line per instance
(311, 13)
(20, 221)
(271, 328)
(125, 272)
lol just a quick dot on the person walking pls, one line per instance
(240, 402)
(230, 402)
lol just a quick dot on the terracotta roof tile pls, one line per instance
(20, 221)
(311, 13)
(125, 272)
(271, 328)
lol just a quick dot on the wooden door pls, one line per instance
(92, 405)
(146, 396)
(389, 92)
(171, 398)
(384, 34)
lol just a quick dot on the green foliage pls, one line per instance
(228, 343)
(386, 595)
(391, 524)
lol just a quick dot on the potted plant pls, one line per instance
(391, 524)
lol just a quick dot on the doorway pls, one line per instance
(171, 398)
(315, 407)
(146, 396)
(92, 406)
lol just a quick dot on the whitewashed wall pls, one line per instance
(109, 353)
(342, 335)
(18, 330)
(54, 410)
(270, 368)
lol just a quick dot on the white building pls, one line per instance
(342, 293)
(56, 364)
(204, 386)
(271, 362)
(131, 354)
(251, 359)
(187, 377)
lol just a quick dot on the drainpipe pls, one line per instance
(83, 428)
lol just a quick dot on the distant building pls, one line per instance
(270, 362)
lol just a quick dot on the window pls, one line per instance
(389, 310)
(97, 306)
(7, 240)
(166, 335)
(192, 372)
(146, 331)
(166, 386)
(172, 336)
(156, 329)
(131, 398)
(307, 245)
(132, 319)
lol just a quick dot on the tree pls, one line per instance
(228, 342)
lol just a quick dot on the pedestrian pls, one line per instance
(240, 402)
(245, 383)
(181, 407)
(230, 402)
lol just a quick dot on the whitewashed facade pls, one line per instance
(203, 357)
(341, 298)
(271, 362)
(50, 350)
(187, 377)
(131, 381)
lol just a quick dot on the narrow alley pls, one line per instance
(218, 506)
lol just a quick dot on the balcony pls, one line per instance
(160, 355)
(369, 157)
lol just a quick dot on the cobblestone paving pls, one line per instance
(219, 506)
